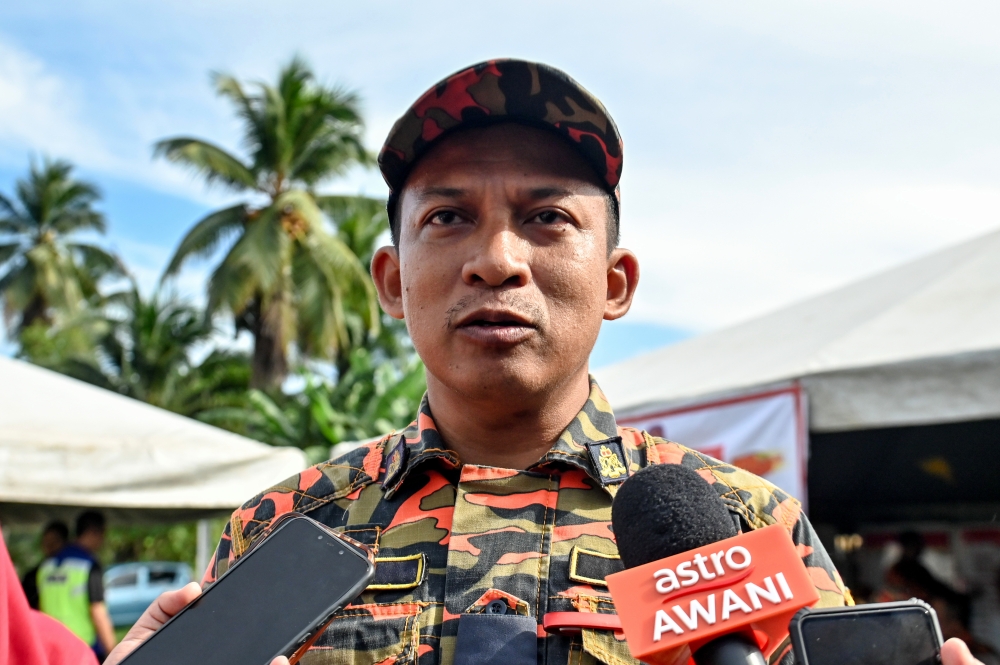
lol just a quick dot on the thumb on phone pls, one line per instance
(956, 652)
(158, 613)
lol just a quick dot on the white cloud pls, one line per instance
(718, 252)
(39, 113)
(866, 29)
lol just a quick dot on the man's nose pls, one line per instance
(500, 260)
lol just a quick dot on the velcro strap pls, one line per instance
(592, 567)
(398, 572)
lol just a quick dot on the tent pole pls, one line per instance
(201, 549)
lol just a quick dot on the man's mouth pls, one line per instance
(496, 327)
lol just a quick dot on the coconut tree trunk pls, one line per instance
(270, 352)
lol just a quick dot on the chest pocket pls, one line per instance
(368, 634)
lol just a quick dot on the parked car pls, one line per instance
(129, 588)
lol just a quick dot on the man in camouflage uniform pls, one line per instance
(458, 529)
(497, 498)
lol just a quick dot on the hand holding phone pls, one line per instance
(162, 610)
(266, 609)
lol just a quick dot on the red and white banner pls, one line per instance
(764, 433)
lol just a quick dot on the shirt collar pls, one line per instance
(589, 443)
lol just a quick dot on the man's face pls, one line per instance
(503, 273)
(92, 539)
(52, 542)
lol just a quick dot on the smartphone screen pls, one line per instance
(888, 636)
(297, 576)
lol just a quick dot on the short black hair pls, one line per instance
(614, 219)
(89, 520)
(57, 527)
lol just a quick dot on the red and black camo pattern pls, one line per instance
(498, 90)
(485, 534)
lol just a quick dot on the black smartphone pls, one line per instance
(269, 603)
(902, 633)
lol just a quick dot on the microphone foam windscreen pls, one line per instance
(666, 509)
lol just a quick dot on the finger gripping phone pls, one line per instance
(269, 603)
(901, 633)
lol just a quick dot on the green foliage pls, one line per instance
(143, 348)
(45, 269)
(288, 276)
(370, 399)
(156, 542)
(24, 545)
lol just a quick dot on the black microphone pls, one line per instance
(668, 509)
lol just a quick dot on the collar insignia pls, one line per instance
(394, 461)
(608, 459)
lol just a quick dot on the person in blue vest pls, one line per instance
(71, 586)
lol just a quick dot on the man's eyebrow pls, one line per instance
(440, 193)
(540, 193)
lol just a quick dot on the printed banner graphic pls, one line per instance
(764, 433)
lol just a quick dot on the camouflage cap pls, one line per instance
(505, 90)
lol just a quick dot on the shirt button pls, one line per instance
(496, 607)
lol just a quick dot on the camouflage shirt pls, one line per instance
(450, 539)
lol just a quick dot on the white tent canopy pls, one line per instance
(917, 344)
(64, 443)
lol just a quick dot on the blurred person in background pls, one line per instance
(71, 586)
(910, 578)
(54, 538)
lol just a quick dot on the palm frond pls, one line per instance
(8, 251)
(207, 234)
(231, 285)
(213, 163)
(98, 261)
(10, 214)
(18, 288)
(265, 247)
(71, 221)
(255, 124)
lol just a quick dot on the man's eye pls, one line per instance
(445, 217)
(549, 217)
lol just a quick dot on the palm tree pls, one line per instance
(145, 348)
(45, 270)
(146, 352)
(287, 276)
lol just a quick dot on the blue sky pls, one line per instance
(774, 150)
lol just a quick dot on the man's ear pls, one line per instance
(623, 278)
(388, 283)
